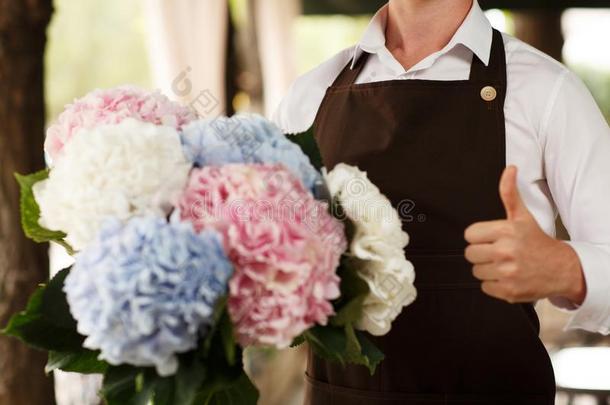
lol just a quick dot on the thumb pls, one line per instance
(509, 193)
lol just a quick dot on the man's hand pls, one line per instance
(516, 260)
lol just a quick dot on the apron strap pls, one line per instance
(495, 71)
(348, 76)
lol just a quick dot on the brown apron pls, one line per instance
(437, 150)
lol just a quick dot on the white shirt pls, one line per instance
(555, 134)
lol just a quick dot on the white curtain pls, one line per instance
(274, 22)
(187, 42)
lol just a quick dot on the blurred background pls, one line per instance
(222, 57)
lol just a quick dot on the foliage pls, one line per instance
(46, 322)
(339, 341)
(30, 212)
(308, 144)
(211, 375)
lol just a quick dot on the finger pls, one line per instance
(486, 272)
(488, 232)
(502, 270)
(479, 253)
(509, 193)
(494, 289)
(505, 291)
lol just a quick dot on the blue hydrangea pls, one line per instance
(245, 139)
(146, 290)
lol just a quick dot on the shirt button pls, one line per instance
(488, 93)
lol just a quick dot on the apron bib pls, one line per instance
(437, 150)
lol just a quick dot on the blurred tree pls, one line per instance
(23, 264)
(541, 28)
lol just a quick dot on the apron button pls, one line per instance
(488, 93)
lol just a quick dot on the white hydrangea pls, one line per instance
(376, 249)
(120, 170)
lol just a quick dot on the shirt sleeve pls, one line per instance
(577, 167)
(297, 110)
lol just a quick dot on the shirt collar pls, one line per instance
(475, 33)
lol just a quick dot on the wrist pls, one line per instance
(575, 287)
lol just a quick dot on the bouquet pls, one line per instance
(195, 238)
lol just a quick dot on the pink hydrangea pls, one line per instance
(112, 106)
(284, 244)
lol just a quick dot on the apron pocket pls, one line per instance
(500, 350)
(321, 393)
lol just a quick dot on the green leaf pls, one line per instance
(223, 358)
(46, 323)
(350, 312)
(344, 345)
(226, 383)
(308, 144)
(328, 342)
(361, 350)
(219, 343)
(83, 361)
(165, 392)
(219, 312)
(354, 290)
(212, 374)
(298, 341)
(370, 351)
(240, 391)
(227, 338)
(352, 285)
(188, 380)
(129, 385)
(191, 385)
(30, 212)
(55, 302)
(120, 388)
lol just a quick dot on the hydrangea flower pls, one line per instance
(376, 249)
(146, 290)
(284, 244)
(245, 139)
(111, 106)
(120, 170)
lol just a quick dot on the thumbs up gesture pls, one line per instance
(515, 260)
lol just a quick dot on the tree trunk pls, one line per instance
(23, 264)
(541, 29)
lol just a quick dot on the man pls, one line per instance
(440, 109)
